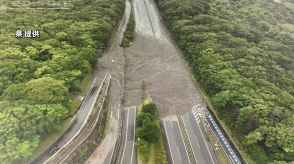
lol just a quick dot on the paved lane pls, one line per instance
(109, 157)
(196, 148)
(201, 147)
(129, 152)
(73, 129)
(177, 149)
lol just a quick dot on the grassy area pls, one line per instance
(151, 152)
(155, 155)
(255, 154)
(130, 31)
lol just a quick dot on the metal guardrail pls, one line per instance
(121, 138)
(68, 127)
(93, 125)
(99, 90)
(229, 139)
(218, 141)
(118, 144)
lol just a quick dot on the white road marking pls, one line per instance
(190, 140)
(184, 142)
(111, 154)
(197, 141)
(195, 107)
(179, 154)
(168, 142)
(205, 143)
(198, 120)
(126, 137)
(133, 137)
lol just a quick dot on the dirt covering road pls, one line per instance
(112, 61)
(153, 58)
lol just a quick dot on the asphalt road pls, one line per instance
(202, 150)
(177, 149)
(109, 157)
(79, 120)
(129, 152)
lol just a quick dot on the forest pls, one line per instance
(241, 52)
(38, 75)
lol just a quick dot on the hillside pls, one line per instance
(241, 52)
(38, 75)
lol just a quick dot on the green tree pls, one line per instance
(149, 108)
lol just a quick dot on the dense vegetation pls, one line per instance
(150, 141)
(130, 31)
(241, 51)
(38, 75)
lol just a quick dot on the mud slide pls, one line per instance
(112, 61)
(153, 58)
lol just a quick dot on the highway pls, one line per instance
(154, 59)
(112, 61)
(129, 124)
(74, 128)
(202, 150)
(177, 149)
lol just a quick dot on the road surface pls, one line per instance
(202, 150)
(129, 124)
(177, 148)
(79, 120)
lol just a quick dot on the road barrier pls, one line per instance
(115, 158)
(229, 139)
(99, 90)
(166, 144)
(84, 139)
(73, 121)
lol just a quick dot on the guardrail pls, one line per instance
(210, 131)
(229, 139)
(121, 138)
(118, 143)
(53, 156)
(85, 138)
(32, 160)
(166, 145)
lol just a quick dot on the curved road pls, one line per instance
(77, 123)
(112, 61)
